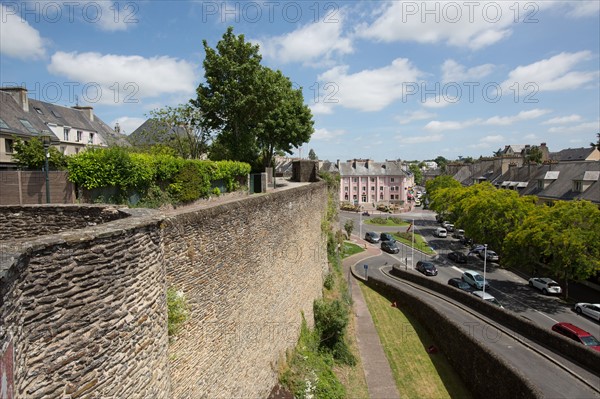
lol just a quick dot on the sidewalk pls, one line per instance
(380, 380)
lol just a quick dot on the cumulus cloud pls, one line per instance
(325, 39)
(17, 38)
(492, 121)
(452, 71)
(125, 78)
(370, 89)
(408, 117)
(563, 119)
(326, 134)
(553, 73)
(420, 139)
(439, 101)
(581, 128)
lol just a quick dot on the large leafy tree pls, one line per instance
(30, 154)
(564, 237)
(253, 110)
(180, 129)
(417, 172)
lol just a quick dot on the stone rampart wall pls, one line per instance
(248, 269)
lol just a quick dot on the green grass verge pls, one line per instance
(350, 249)
(420, 243)
(418, 374)
(386, 221)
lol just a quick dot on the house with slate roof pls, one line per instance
(363, 181)
(71, 128)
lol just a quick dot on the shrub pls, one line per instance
(378, 220)
(329, 281)
(176, 310)
(216, 191)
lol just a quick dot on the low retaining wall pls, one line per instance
(566, 347)
(491, 378)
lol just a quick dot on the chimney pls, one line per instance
(19, 94)
(338, 164)
(87, 110)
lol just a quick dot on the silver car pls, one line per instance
(546, 285)
(589, 309)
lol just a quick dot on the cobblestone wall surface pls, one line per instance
(248, 270)
(35, 220)
(85, 313)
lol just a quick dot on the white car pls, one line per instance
(546, 285)
(589, 309)
(487, 297)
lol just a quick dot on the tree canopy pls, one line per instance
(30, 154)
(253, 110)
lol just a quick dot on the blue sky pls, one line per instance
(385, 80)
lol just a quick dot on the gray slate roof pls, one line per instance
(371, 168)
(152, 132)
(572, 154)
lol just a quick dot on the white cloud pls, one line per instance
(128, 124)
(521, 116)
(17, 38)
(326, 134)
(408, 117)
(554, 73)
(494, 121)
(580, 9)
(563, 119)
(452, 71)
(124, 79)
(370, 89)
(591, 127)
(111, 15)
(420, 139)
(463, 24)
(321, 108)
(492, 139)
(311, 43)
(439, 101)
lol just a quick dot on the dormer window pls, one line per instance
(39, 111)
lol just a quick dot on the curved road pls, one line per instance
(552, 380)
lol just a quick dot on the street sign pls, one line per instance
(366, 270)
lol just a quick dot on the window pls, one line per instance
(354, 197)
(346, 197)
(364, 198)
(8, 146)
(380, 188)
(38, 110)
(66, 133)
(372, 179)
(63, 149)
(355, 179)
(91, 139)
(354, 188)
(391, 179)
(372, 197)
(540, 184)
(28, 126)
(346, 189)
(397, 188)
(391, 188)
(79, 134)
(3, 124)
(578, 186)
(372, 188)
(364, 188)
(381, 196)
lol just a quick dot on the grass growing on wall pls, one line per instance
(176, 309)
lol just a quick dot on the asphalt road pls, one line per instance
(509, 288)
(552, 380)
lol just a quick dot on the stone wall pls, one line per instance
(35, 220)
(83, 312)
(247, 269)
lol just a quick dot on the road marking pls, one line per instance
(457, 269)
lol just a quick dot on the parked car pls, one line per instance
(427, 268)
(458, 283)
(445, 223)
(440, 232)
(546, 285)
(386, 237)
(457, 257)
(450, 227)
(466, 241)
(490, 255)
(439, 218)
(577, 334)
(488, 298)
(373, 237)
(390, 247)
(474, 279)
(417, 202)
(589, 309)
(458, 233)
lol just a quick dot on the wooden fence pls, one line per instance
(29, 187)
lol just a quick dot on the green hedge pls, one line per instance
(185, 179)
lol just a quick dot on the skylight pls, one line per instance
(28, 125)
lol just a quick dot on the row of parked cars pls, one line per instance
(388, 242)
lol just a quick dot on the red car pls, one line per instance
(577, 334)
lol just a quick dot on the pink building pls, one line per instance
(363, 181)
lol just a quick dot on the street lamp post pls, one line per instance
(412, 253)
(484, 266)
(46, 142)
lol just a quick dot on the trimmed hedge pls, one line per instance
(185, 180)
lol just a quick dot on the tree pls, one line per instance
(564, 237)
(417, 173)
(179, 128)
(498, 153)
(253, 110)
(286, 122)
(441, 162)
(349, 226)
(534, 155)
(31, 155)
(312, 155)
(596, 144)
